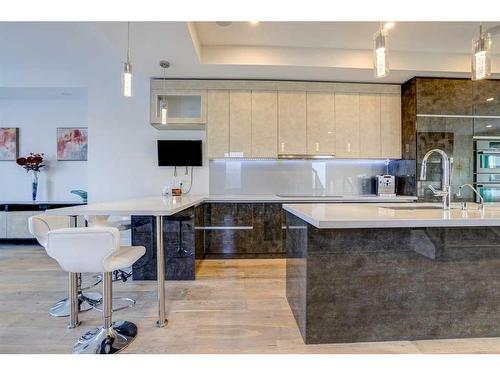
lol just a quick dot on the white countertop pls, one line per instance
(166, 206)
(306, 198)
(150, 206)
(392, 215)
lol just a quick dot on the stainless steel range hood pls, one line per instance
(305, 156)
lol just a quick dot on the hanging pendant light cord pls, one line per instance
(128, 42)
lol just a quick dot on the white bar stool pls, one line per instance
(97, 249)
(39, 226)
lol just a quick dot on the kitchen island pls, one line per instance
(392, 272)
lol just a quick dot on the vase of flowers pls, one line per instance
(32, 163)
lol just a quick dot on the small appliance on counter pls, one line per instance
(386, 185)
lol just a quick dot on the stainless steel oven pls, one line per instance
(487, 176)
(488, 186)
(488, 157)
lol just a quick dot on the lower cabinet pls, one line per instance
(17, 224)
(211, 230)
(3, 225)
(179, 261)
(242, 230)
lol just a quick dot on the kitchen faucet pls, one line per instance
(447, 165)
(464, 204)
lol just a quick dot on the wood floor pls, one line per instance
(235, 306)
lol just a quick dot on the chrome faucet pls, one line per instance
(464, 204)
(447, 165)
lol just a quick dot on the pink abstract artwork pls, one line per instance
(72, 143)
(8, 143)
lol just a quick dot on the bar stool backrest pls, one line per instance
(40, 225)
(83, 249)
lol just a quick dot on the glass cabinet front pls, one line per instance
(178, 108)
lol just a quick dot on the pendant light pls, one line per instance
(163, 102)
(127, 68)
(481, 55)
(380, 53)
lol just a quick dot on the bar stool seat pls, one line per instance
(97, 249)
(39, 227)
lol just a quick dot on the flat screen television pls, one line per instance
(179, 154)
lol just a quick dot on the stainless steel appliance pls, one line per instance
(488, 156)
(386, 185)
(487, 176)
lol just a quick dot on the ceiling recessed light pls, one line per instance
(254, 22)
(490, 99)
(489, 126)
(388, 25)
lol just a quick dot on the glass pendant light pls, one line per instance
(481, 55)
(380, 53)
(163, 102)
(127, 68)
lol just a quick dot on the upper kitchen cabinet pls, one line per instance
(486, 97)
(369, 123)
(437, 96)
(390, 125)
(186, 109)
(218, 124)
(240, 123)
(292, 122)
(320, 123)
(264, 124)
(347, 125)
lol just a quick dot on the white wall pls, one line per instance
(122, 150)
(37, 119)
(122, 160)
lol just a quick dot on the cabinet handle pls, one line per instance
(317, 146)
(282, 146)
(348, 147)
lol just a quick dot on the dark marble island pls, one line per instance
(377, 272)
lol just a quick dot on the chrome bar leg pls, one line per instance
(112, 337)
(73, 296)
(107, 300)
(160, 268)
(73, 287)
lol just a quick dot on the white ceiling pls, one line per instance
(435, 37)
(330, 51)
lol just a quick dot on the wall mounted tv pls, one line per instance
(179, 154)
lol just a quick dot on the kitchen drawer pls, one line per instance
(3, 225)
(17, 224)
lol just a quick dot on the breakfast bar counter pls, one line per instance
(392, 272)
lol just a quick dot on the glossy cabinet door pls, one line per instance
(264, 124)
(292, 122)
(17, 224)
(320, 123)
(347, 125)
(218, 124)
(3, 224)
(240, 123)
(390, 118)
(369, 125)
(438, 96)
(486, 98)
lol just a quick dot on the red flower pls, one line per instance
(21, 161)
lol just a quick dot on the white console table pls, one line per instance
(14, 217)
